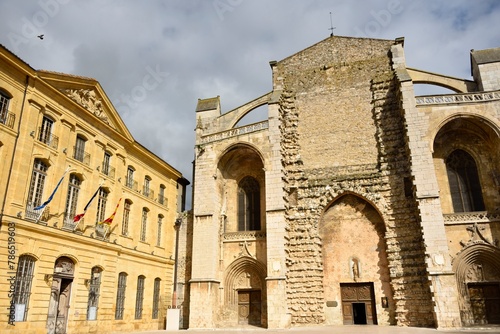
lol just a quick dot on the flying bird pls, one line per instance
(40, 36)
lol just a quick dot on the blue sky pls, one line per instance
(205, 48)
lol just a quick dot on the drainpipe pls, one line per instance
(15, 147)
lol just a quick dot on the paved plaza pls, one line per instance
(354, 329)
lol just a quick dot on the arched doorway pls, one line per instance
(356, 275)
(245, 292)
(60, 293)
(477, 270)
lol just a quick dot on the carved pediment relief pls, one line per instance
(88, 99)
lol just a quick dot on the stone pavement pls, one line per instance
(353, 329)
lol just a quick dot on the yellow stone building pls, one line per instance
(66, 154)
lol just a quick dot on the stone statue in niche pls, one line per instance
(475, 273)
(355, 269)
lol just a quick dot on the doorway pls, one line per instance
(358, 304)
(60, 293)
(485, 302)
(249, 307)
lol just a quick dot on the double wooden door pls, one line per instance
(249, 307)
(358, 304)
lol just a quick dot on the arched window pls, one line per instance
(22, 289)
(139, 297)
(71, 200)
(120, 295)
(4, 107)
(37, 183)
(463, 177)
(159, 230)
(101, 205)
(126, 216)
(129, 182)
(156, 298)
(79, 153)
(161, 195)
(94, 292)
(144, 223)
(248, 204)
(146, 191)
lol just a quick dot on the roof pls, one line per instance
(208, 104)
(486, 56)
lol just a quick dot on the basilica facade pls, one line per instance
(354, 202)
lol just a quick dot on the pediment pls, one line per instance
(89, 99)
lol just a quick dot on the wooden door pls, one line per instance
(358, 303)
(485, 302)
(249, 307)
(57, 319)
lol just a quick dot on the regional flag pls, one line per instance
(53, 193)
(78, 217)
(110, 219)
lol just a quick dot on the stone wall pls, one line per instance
(342, 132)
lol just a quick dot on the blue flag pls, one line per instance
(51, 195)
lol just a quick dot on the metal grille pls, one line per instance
(37, 182)
(120, 295)
(101, 205)
(158, 237)
(94, 291)
(156, 298)
(139, 298)
(144, 222)
(22, 292)
(126, 216)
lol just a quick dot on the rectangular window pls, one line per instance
(79, 149)
(144, 222)
(158, 237)
(106, 163)
(161, 195)
(45, 135)
(156, 298)
(139, 298)
(120, 296)
(22, 287)
(94, 291)
(4, 108)
(126, 216)
(130, 177)
(146, 186)
(101, 205)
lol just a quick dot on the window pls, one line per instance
(106, 163)
(4, 107)
(37, 183)
(101, 205)
(94, 290)
(126, 216)
(45, 134)
(158, 237)
(72, 199)
(465, 188)
(147, 181)
(130, 177)
(248, 204)
(139, 297)
(161, 195)
(79, 149)
(156, 298)
(22, 288)
(144, 223)
(120, 295)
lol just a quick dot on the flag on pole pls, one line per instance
(52, 195)
(110, 219)
(78, 217)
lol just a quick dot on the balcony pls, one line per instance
(107, 170)
(146, 191)
(131, 184)
(47, 138)
(41, 215)
(81, 155)
(162, 200)
(69, 223)
(8, 119)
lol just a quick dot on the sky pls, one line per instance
(156, 58)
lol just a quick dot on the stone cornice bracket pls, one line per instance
(88, 99)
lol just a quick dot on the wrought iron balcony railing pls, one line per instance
(8, 119)
(81, 155)
(108, 170)
(47, 138)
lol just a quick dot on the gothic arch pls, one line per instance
(244, 273)
(478, 263)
